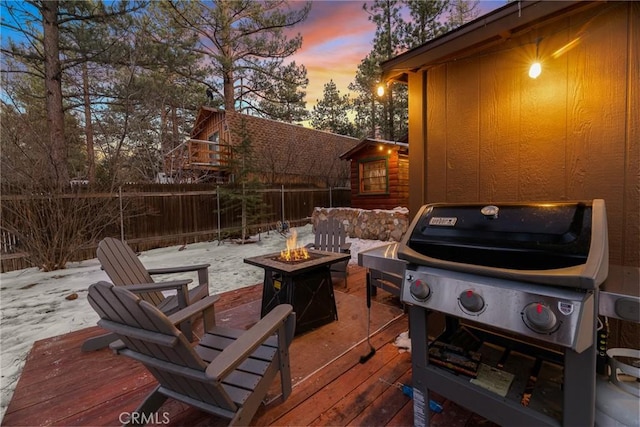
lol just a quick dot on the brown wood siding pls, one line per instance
(494, 134)
(214, 122)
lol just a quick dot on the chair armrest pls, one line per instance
(159, 286)
(202, 269)
(180, 269)
(240, 349)
(180, 286)
(205, 305)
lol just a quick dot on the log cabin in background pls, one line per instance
(483, 130)
(282, 153)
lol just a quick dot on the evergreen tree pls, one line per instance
(243, 195)
(425, 23)
(366, 105)
(331, 112)
(44, 26)
(285, 97)
(246, 43)
(386, 14)
(387, 118)
(463, 11)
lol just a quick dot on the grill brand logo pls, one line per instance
(443, 221)
(565, 308)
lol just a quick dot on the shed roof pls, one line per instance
(493, 28)
(368, 142)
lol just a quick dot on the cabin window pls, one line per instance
(214, 149)
(373, 176)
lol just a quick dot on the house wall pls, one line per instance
(290, 154)
(209, 126)
(482, 130)
(398, 195)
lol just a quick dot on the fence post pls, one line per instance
(121, 214)
(282, 198)
(218, 206)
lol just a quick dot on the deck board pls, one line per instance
(60, 385)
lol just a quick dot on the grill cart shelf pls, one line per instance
(558, 396)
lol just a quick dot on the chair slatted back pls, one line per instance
(152, 339)
(330, 236)
(123, 267)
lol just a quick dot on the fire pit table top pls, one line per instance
(317, 259)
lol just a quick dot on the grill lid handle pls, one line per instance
(490, 212)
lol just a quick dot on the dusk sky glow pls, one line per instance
(337, 35)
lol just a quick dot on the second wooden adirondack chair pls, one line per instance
(331, 236)
(124, 268)
(228, 373)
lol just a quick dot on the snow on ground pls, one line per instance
(34, 305)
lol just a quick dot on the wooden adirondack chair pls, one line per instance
(228, 373)
(331, 236)
(124, 268)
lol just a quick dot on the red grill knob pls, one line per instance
(471, 301)
(539, 317)
(419, 290)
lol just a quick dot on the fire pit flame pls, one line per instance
(293, 253)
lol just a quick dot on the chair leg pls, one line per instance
(147, 408)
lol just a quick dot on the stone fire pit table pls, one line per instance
(305, 284)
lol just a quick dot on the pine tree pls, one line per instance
(243, 194)
(246, 43)
(425, 23)
(463, 11)
(331, 112)
(387, 117)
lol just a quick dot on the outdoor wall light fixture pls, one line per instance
(536, 68)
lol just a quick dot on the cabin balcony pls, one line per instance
(198, 155)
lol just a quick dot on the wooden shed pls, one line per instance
(379, 174)
(481, 129)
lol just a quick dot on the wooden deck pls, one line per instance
(60, 385)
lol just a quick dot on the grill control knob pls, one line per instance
(539, 317)
(471, 301)
(419, 290)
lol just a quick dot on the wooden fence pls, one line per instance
(153, 216)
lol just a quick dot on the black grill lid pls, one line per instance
(551, 243)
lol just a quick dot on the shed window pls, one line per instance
(373, 176)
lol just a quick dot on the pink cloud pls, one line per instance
(336, 36)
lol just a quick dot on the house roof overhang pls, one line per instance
(513, 19)
(369, 142)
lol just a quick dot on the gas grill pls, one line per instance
(518, 285)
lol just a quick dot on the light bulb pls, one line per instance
(380, 90)
(535, 70)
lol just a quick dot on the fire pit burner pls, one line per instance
(296, 260)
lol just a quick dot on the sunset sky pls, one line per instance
(337, 35)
